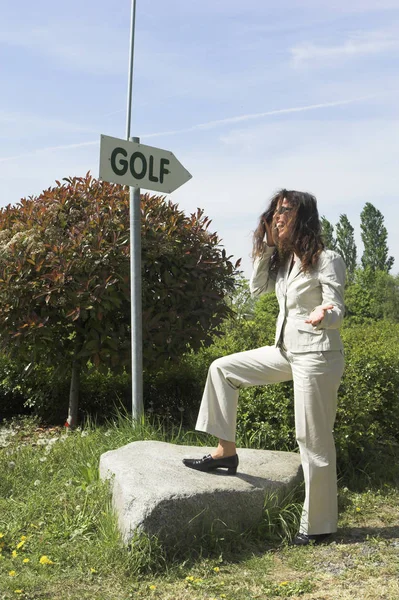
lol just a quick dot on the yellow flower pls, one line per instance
(12, 573)
(358, 509)
(1, 535)
(14, 554)
(223, 595)
(26, 560)
(216, 569)
(190, 578)
(23, 538)
(44, 560)
(284, 583)
(153, 587)
(20, 544)
(92, 570)
(18, 591)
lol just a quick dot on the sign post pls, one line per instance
(128, 162)
(136, 326)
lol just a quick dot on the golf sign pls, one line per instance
(137, 165)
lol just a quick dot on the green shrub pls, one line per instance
(174, 392)
(368, 400)
(11, 396)
(265, 417)
(177, 389)
(43, 392)
(366, 429)
(367, 418)
(371, 296)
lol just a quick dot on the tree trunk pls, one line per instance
(74, 395)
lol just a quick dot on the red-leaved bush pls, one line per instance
(64, 278)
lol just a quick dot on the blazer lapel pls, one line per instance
(286, 273)
(296, 269)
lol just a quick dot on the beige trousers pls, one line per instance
(316, 377)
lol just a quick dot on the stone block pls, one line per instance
(153, 492)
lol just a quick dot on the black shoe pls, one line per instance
(207, 463)
(304, 539)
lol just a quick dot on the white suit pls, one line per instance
(311, 356)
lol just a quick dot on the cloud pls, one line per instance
(253, 116)
(344, 164)
(50, 149)
(31, 174)
(362, 44)
(78, 47)
(201, 126)
(18, 125)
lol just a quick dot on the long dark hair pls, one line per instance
(305, 239)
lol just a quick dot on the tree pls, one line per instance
(327, 233)
(346, 246)
(241, 301)
(64, 279)
(374, 237)
(186, 278)
(373, 295)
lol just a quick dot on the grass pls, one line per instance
(53, 505)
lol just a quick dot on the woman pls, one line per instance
(290, 259)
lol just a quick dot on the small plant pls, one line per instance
(282, 515)
(286, 589)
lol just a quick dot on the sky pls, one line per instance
(250, 96)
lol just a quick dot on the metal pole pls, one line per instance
(135, 256)
(136, 308)
(130, 74)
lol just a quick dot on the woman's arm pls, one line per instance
(330, 313)
(261, 282)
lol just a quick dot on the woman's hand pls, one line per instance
(268, 233)
(317, 314)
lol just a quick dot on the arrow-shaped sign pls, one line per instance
(137, 165)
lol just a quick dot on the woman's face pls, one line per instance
(283, 219)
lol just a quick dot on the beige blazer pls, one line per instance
(297, 294)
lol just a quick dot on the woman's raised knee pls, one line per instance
(220, 363)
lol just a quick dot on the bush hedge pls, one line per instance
(44, 391)
(366, 428)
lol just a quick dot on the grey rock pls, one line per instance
(153, 492)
